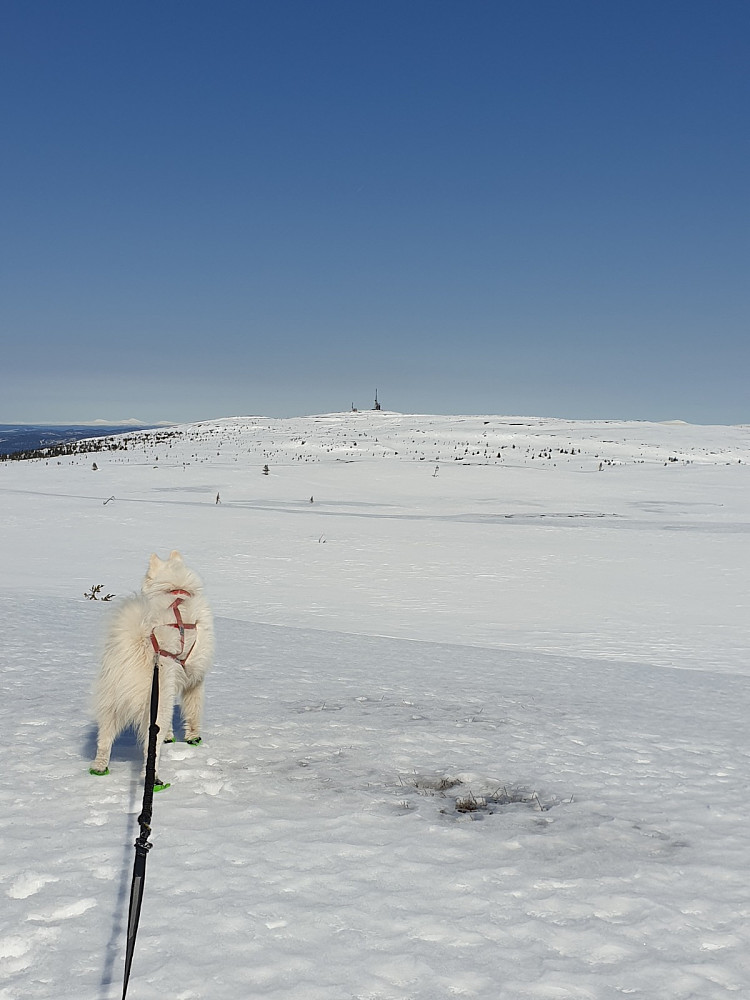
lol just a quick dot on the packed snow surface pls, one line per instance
(477, 725)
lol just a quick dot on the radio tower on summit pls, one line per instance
(377, 404)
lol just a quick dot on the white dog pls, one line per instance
(169, 619)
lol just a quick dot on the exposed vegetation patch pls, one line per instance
(474, 798)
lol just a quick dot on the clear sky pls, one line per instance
(515, 206)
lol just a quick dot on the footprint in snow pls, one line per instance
(63, 912)
(28, 884)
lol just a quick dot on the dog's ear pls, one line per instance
(153, 564)
(174, 554)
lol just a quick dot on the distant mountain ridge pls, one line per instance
(29, 437)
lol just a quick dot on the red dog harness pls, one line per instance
(181, 656)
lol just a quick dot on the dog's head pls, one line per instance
(164, 575)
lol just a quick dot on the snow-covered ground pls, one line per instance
(477, 725)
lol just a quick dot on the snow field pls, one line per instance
(395, 661)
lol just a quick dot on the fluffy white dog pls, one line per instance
(169, 619)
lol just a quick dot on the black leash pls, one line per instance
(142, 844)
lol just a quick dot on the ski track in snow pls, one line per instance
(370, 816)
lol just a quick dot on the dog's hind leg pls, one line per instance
(192, 713)
(104, 741)
(163, 719)
(169, 738)
(143, 738)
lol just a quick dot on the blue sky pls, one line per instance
(213, 209)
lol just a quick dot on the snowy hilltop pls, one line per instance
(475, 728)
(488, 440)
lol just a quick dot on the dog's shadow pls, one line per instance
(126, 747)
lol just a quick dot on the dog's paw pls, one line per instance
(170, 738)
(160, 786)
(100, 774)
(194, 741)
